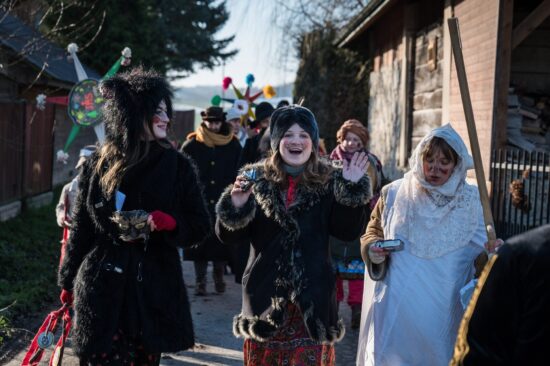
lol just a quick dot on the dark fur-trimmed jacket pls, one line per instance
(290, 256)
(123, 285)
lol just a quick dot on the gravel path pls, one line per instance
(215, 343)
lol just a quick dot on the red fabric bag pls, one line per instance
(44, 338)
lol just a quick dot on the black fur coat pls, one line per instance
(122, 285)
(218, 167)
(290, 256)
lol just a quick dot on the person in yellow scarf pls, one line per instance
(216, 151)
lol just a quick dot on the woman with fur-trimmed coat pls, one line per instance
(289, 313)
(130, 302)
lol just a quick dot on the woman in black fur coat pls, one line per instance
(289, 313)
(130, 302)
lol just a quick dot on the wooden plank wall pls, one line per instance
(531, 59)
(39, 150)
(184, 123)
(12, 148)
(428, 83)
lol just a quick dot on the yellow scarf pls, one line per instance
(210, 138)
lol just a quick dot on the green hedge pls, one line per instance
(29, 257)
(334, 82)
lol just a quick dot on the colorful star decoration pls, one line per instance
(84, 101)
(244, 101)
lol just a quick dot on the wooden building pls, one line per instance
(29, 137)
(414, 87)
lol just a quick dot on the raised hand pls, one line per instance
(238, 196)
(356, 168)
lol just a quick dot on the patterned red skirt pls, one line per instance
(290, 346)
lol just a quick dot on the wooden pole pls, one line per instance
(454, 32)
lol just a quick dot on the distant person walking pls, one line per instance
(65, 207)
(216, 151)
(253, 150)
(234, 119)
(353, 137)
(282, 103)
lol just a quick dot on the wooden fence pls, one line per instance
(183, 123)
(26, 150)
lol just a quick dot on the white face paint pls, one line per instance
(295, 146)
(160, 121)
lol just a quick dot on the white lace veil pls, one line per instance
(435, 220)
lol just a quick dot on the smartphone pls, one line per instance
(250, 178)
(393, 245)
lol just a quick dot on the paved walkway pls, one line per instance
(215, 343)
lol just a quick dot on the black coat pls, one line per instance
(103, 271)
(251, 150)
(511, 321)
(218, 168)
(290, 248)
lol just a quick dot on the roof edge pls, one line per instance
(361, 22)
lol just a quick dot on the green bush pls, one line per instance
(5, 329)
(334, 82)
(29, 257)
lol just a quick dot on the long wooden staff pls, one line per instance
(470, 122)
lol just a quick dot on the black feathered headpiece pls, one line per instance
(132, 99)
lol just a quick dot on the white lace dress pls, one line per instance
(411, 317)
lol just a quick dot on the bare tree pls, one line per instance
(34, 12)
(300, 17)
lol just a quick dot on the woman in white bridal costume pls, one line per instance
(411, 305)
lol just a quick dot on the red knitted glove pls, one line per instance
(66, 297)
(163, 221)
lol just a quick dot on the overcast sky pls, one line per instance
(259, 44)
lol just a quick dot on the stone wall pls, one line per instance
(385, 117)
(428, 82)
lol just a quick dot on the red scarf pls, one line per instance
(291, 192)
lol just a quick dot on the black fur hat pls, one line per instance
(283, 118)
(132, 98)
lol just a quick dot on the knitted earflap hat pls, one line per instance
(283, 118)
(132, 98)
